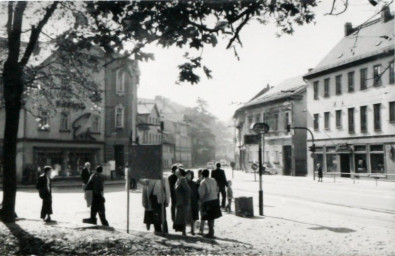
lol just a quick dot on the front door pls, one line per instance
(287, 160)
(345, 165)
(119, 154)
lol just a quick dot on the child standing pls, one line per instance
(229, 196)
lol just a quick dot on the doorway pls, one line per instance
(119, 154)
(287, 160)
(345, 165)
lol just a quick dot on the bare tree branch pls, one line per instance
(345, 4)
(35, 34)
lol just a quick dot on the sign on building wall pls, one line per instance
(145, 162)
(251, 139)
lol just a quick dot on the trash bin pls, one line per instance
(244, 207)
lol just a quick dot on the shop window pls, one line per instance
(359, 148)
(364, 118)
(377, 116)
(392, 111)
(316, 90)
(376, 148)
(316, 124)
(326, 88)
(64, 121)
(363, 77)
(331, 163)
(326, 121)
(350, 79)
(377, 163)
(351, 128)
(377, 75)
(338, 84)
(360, 163)
(338, 118)
(319, 158)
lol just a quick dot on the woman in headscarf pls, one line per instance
(183, 202)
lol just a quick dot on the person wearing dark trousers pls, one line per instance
(44, 187)
(219, 175)
(95, 183)
(320, 174)
(172, 183)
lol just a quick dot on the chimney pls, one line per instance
(310, 69)
(348, 29)
(385, 14)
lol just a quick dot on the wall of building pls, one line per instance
(359, 143)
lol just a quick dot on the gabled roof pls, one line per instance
(146, 108)
(289, 87)
(367, 40)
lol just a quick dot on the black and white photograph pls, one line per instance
(197, 127)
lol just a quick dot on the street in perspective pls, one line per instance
(245, 127)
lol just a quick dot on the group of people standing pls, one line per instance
(189, 199)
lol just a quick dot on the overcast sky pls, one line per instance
(265, 59)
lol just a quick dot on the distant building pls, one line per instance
(285, 152)
(351, 102)
(149, 133)
(177, 140)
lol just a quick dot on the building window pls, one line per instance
(326, 88)
(326, 121)
(316, 124)
(275, 122)
(338, 85)
(331, 162)
(363, 76)
(377, 75)
(43, 121)
(120, 81)
(338, 118)
(360, 159)
(257, 118)
(119, 116)
(364, 118)
(377, 117)
(377, 158)
(64, 121)
(277, 157)
(249, 121)
(316, 90)
(351, 120)
(96, 124)
(350, 79)
(392, 111)
(286, 120)
(391, 72)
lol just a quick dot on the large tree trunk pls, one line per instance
(13, 87)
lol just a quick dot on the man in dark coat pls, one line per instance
(44, 188)
(219, 175)
(95, 183)
(172, 183)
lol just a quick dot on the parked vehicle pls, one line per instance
(224, 162)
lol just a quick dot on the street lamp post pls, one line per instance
(261, 129)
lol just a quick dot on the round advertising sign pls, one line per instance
(254, 166)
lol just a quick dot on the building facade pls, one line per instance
(74, 132)
(351, 102)
(279, 106)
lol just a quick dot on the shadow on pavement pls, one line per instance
(319, 227)
(28, 244)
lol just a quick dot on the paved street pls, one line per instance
(301, 216)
